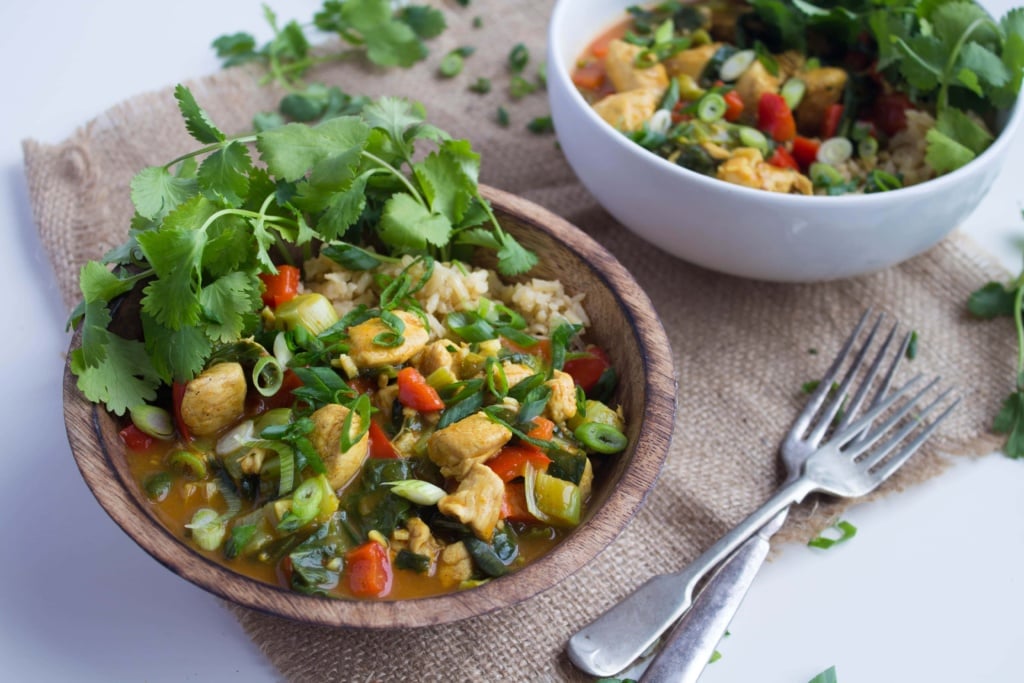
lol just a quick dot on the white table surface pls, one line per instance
(931, 589)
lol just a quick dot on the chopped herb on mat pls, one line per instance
(826, 676)
(912, 346)
(478, 22)
(503, 119)
(846, 532)
(991, 301)
(540, 125)
(481, 86)
(451, 65)
(518, 58)
(519, 87)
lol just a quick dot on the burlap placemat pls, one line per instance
(742, 348)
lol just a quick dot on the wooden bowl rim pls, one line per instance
(582, 545)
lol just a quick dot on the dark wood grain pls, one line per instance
(623, 322)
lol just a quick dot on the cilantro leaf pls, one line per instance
(427, 22)
(176, 355)
(197, 121)
(344, 210)
(397, 117)
(227, 303)
(944, 153)
(514, 258)
(962, 128)
(292, 150)
(98, 286)
(407, 224)
(155, 192)
(224, 175)
(448, 187)
(123, 379)
(236, 48)
(1010, 421)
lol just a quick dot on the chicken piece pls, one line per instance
(625, 75)
(628, 111)
(455, 565)
(436, 356)
(691, 62)
(367, 354)
(824, 88)
(754, 82)
(384, 400)
(791, 63)
(747, 167)
(516, 372)
(326, 439)
(471, 440)
(214, 399)
(416, 538)
(562, 404)
(477, 501)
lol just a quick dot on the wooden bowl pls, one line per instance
(623, 322)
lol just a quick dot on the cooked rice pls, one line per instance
(452, 287)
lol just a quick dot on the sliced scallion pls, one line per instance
(208, 530)
(282, 353)
(267, 376)
(417, 491)
(189, 463)
(155, 422)
(793, 92)
(157, 486)
(306, 500)
(711, 107)
(867, 148)
(660, 122)
(835, 151)
(736, 65)
(752, 137)
(600, 437)
(240, 436)
(824, 175)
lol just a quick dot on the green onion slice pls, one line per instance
(417, 491)
(282, 353)
(155, 422)
(736, 65)
(793, 92)
(711, 107)
(752, 137)
(207, 529)
(835, 151)
(600, 437)
(267, 376)
(306, 499)
(157, 486)
(867, 148)
(846, 532)
(188, 462)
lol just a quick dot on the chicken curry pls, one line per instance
(789, 98)
(382, 453)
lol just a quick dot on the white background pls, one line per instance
(929, 590)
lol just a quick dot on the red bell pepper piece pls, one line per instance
(889, 112)
(511, 461)
(805, 151)
(830, 124)
(380, 444)
(135, 439)
(590, 76)
(783, 159)
(369, 570)
(513, 506)
(542, 430)
(542, 348)
(280, 287)
(775, 118)
(283, 398)
(733, 105)
(586, 371)
(415, 393)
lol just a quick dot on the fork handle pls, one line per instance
(690, 644)
(611, 642)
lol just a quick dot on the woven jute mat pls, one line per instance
(742, 348)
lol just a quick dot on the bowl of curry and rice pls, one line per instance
(770, 141)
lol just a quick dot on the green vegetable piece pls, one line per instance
(151, 420)
(451, 64)
(600, 437)
(188, 462)
(596, 411)
(518, 58)
(406, 559)
(485, 557)
(911, 351)
(826, 676)
(417, 491)
(157, 486)
(711, 107)
(207, 529)
(502, 117)
(311, 311)
(306, 500)
(481, 86)
(846, 530)
(541, 125)
(552, 500)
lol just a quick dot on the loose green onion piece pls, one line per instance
(711, 107)
(278, 417)
(417, 491)
(600, 437)
(153, 421)
(881, 181)
(911, 351)
(664, 32)
(441, 377)
(239, 437)
(660, 122)
(824, 174)
(835, 151)
(286, 457)
(207, 529)
(671, 97)
(812, 63)
(188, 462)
(312, 312)
(478, 22)
(518, 58)
(826, 676)
(867, 148)
(306, 499)
(406, 559)
(451, 64)
(360, 408)
(157, 486)
(481, 86)
(552, 500)
(227, 491)
(502, 117)
(846, 530)
(282, 353)
(540, 125)
(752, 137)
(793, 92)
(519, 87)
(267, 376)
(736, 65)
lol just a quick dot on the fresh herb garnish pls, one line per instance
(202, 234)
(481, 86)
(996, 300)
(826, 676)
(541, 125)
(846, 532)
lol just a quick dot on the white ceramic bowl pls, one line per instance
(738, 230)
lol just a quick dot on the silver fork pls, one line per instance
(848, 463)
(690, 643)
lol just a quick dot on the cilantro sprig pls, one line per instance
(996, 300)
(946, 54)
(210, 221)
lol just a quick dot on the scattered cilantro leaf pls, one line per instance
(481, 86)
(197, 121)
(826, 676)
